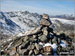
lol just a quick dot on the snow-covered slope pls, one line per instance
(12, 23)
(63, 26)
(64, 21)
(8, 24)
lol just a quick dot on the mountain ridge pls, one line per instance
(16, 22)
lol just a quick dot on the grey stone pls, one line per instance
(36, 51)
(25, 38)
(44, 30)
(34, 31)
(45, 22)
(34, 36)
(13, 52)
(43, 37)
(21, 51)
(45, 16)
(30, 47)
(54, 40)
(37, 46)
(30, 52)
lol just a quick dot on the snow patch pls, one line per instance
(63, 44)
(54, 45)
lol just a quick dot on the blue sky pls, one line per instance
(52, 7)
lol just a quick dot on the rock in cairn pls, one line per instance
(45, 21)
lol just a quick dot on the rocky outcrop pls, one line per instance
(36, 44)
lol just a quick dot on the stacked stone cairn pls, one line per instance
(40, 41)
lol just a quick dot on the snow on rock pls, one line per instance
(47, 44)
(63, 43)
(54, 45)
(40, 43)
(20, 34)
(9, 39)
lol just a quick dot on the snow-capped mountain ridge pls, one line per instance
(22, 21)
(9, 24)
(15, 22)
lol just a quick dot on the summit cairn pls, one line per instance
(39, 41)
